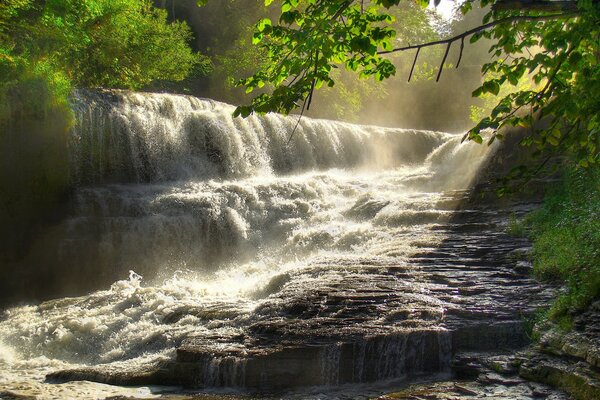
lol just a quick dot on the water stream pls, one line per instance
(233, 240)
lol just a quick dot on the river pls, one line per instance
(238, 247)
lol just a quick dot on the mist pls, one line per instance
(421, 103)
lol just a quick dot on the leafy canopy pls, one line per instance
(562, 56)
(88, 43)
(311, 39)
(235, 57)
(559, 49)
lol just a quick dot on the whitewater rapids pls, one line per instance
(202, 221)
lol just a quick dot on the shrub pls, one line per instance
(566, 235)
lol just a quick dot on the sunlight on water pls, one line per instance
(221, 220)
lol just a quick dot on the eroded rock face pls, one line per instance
(481, 376)
(568, 360)
(363, 319)
(576, 378)
(489, 386)
(583, 342)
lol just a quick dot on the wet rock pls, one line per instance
(490, 336)
(366, 207)
(523, 267)
(568, 360)
(365, 360)
(168, 373)
(364, 319)
(505, 365)
(493, 378)
(467, 367)
(489, 375)
(520, 254)
(583, 345)
(575, 378)
(474, 390)
(274, 286)
(7, 395)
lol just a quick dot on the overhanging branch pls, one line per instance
(535, 5)
(483, 27)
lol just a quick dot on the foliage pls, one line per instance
(565, 66)
(46, 48)
(358, 100)
(110, 43)
(559, 49)
(490, 100)
(310, 41)
(566, 236)
(232, 45)
(350, 99)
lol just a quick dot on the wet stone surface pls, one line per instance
(513, 390)
(481, 376)
(567, 360)
(364, 319)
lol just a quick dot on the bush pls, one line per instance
(566, 241)
(85, 43)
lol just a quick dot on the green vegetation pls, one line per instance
(566, 241)
(99, 43)
(421, 103)
(557, 48)
(46, 49)
(350, 99)
(560, 51)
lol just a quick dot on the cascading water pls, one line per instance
(251, 238)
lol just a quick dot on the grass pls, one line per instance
(566, 241)
(516, 227)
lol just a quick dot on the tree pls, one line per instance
(47, 48)
(557, 43)
(96, 43)
(234, 57)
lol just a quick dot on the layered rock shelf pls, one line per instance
(372, 320)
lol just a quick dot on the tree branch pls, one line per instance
(462, 47)
(483, 28)
(437, 79)
(342, 9)
(312, 85)
(413, 64)
(297, 122)
(534, 5)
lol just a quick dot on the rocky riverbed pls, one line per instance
(373, 321)
(348, 262)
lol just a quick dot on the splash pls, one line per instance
(136, 137)
(225, 221)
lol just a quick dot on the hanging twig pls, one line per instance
(290, 83)
(443, 61)
(413, 64)
(312, 85)
(297, 122)
(462, 46)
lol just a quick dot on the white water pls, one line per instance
(218, 214)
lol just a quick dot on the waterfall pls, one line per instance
(138, 137)
(173, 179)
(257, 249)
